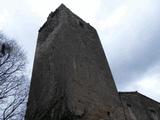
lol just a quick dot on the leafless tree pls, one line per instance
(13, 90)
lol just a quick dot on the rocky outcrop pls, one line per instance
(71, 77)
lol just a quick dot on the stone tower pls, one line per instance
(71, 78)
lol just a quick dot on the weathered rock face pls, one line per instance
(139, 107)
(71, 78)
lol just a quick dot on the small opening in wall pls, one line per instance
(153, 111)
(81, 24)
(108, 113)
(129, 105)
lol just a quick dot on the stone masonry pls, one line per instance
(71, 77)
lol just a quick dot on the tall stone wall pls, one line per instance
(139, 107)
(71, 77)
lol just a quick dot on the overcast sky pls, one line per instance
(129, 31)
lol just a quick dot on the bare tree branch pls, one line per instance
(13, 91)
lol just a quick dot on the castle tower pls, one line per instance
(71, 78)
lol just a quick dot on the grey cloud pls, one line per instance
(137, 49)
(22, 25)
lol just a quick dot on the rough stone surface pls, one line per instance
(139, 107)
(71, 78)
